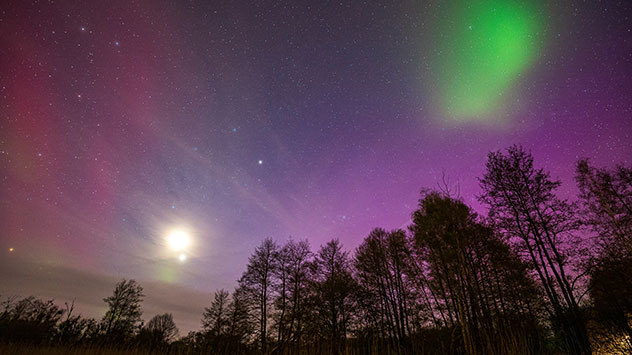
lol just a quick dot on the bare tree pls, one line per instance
(523, 205)
(257, 285)
(607, 204)
(282, 295)
(239, 320)
(124, 309)
(291, 292)
(382, 263)
(163, 327)
(215, 317)
(333, 286)
(606, 197)
(29, 319)
(474, 273)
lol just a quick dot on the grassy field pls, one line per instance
(18, 349)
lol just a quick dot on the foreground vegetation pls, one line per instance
(537, 275)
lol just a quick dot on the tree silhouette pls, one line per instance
(215, 317)
(257, 284)
(611, 294)
(382, 271)
(606, 197)
(158, 333)
(75, 329)
(239, 319)
(124, 310)
(480, 281)
(607, 204)
(29, 319)
(522, 205)
(163, 326)
(333, 285)
(453, 282)
(292, 276)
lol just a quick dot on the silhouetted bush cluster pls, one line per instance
(537, 275)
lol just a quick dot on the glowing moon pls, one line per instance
(178, 240)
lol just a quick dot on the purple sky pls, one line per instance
(120, 121)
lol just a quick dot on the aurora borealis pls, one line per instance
(484, 48)
(235, 121)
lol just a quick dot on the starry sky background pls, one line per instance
(237, 120)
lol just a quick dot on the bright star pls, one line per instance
(260, 162)
(182, 257)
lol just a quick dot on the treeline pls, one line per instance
(537, 275)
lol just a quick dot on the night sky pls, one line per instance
(231, 121)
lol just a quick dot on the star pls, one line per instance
(116, 43)
(260, 162)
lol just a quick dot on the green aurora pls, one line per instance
(484, 48)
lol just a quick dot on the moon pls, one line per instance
(178, 240)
